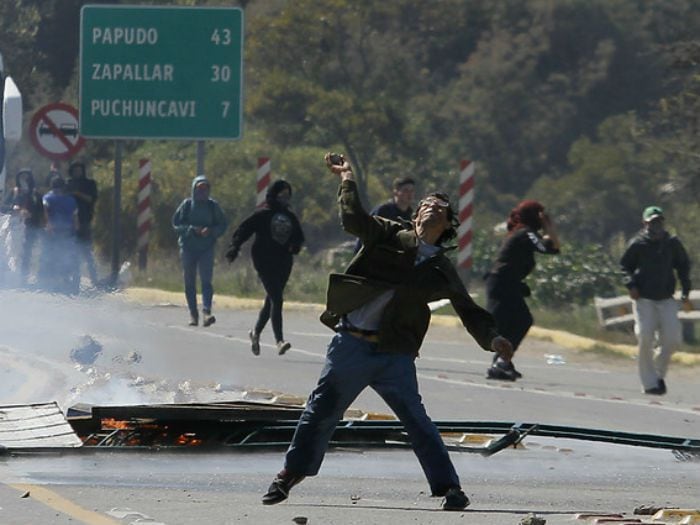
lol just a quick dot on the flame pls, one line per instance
(110, 423)
(188, 439)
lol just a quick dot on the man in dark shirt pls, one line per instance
(399, 207)
(84, 191)
(648, 264)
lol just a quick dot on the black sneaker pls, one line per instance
(501, 374)
(455, 499)
(208, 320)
(194, 320)
(280, 487)
(658, 390)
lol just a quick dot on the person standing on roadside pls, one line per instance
(199, 221)
(84, 190)
(505, 287)
(27, 202)
(278, 237)
(378, 308)
(648, 264)
(400, 207)
(59, 261)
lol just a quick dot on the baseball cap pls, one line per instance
(651, 213)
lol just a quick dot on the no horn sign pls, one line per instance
(54, 131)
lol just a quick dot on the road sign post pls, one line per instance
(161, 72)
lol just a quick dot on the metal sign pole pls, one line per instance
(116, 211)
(200, 158)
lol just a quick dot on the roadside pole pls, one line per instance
(464, 233)
(262, 180)
(117, 210)
(143, 219)
(200, 158)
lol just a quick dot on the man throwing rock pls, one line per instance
(378, 308)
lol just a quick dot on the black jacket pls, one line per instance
(387, 262)
(648, 266)
(515, 261)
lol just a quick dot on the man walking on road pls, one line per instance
(378, 308)
(199, 222)
(648, 264)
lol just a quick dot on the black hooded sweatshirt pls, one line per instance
(278, 234)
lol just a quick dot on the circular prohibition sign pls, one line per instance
(54, 131)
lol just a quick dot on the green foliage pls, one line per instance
(588, 105)
(574, 277)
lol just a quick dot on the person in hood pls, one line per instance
(199, 222)
(27, 202)
(84, 190)
(530, 231)
(648, 264)
(278, 237)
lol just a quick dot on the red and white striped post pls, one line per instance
(144, 211)
(466, 200)
(263, 180)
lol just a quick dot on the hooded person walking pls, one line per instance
(278, 237)
(199, 222)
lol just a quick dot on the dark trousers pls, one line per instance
(353, 364)
(274, 281)
(191, 262)
(509, 309)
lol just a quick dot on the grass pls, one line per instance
(307, 282)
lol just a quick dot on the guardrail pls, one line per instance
(616, 312)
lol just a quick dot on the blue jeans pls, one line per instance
(351, 365)
(191, 260)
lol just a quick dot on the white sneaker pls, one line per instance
(254, 342)
(283, 346)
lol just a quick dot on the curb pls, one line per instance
(559, 337)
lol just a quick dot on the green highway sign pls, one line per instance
(153, 72)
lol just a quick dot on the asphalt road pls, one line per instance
(147, 354)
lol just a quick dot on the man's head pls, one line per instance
(436, 218)
(200, 188)
(278, 194)
(58, 184)
(404, 192)
(25, 179)
(653, 220)
(77, 170)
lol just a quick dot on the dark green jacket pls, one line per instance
(386, 262)
(648, 266)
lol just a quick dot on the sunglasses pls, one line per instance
(432, 201)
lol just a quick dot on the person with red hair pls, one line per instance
(530, 230)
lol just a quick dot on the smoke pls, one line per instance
(96, 350)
